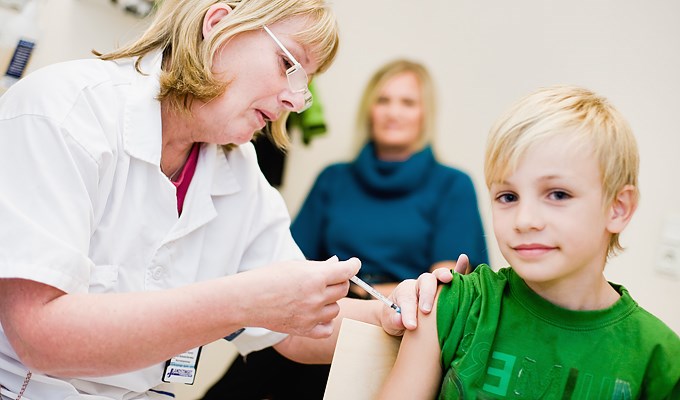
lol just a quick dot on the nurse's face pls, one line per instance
(258, 91)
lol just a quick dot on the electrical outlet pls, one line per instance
(668, 252)
(668, 260)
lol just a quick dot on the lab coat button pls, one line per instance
(157, 273)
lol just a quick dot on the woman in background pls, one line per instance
(395, 207)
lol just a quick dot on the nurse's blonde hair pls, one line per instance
(372, 92)
(567, 111)
(177, 30)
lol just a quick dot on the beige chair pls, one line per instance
(363, 357)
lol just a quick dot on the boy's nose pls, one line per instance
(528, 217)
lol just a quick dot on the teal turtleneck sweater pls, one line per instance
(398, 218)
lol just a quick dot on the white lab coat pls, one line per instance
(84, 206)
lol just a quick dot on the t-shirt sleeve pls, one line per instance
(468, 310)
(454, 307)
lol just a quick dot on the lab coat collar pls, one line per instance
(199, 208)
(227, 182)
(142, 136)
(142, 128)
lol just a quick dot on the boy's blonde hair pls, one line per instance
(582, 115)
(177, 30)
(372, 91)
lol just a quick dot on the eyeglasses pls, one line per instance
(297, 77)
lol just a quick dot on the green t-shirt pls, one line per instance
(500, 340)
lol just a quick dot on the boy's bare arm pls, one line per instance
(417, 371)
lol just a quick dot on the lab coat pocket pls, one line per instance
(103, 278)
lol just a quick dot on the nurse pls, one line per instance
(136, 225)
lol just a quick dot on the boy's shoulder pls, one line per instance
(648, 326)
(483, 273)
(481, 284)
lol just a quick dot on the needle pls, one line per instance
(375, 293)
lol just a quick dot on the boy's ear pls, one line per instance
(213, 16)
(622, 209)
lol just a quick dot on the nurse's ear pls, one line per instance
(213, 16)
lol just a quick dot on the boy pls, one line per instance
(561, 167)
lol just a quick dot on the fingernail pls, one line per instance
(427, 307)
(410, 322)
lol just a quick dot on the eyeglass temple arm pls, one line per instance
(285, 50)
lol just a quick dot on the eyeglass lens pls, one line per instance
(297, 79)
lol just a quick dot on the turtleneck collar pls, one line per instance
(392, 177)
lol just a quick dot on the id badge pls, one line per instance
(182, 368)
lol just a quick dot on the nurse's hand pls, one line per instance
(413, 294)
(296, 297)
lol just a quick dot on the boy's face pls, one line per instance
(549, 219)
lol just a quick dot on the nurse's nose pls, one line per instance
(296, 101)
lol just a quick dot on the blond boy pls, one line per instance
(561, 167)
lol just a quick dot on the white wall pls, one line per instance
(486, 54)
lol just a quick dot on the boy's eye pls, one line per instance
(559, 195)
(506, 198)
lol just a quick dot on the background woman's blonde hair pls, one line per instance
(177, 30)
(585, 117)
(375, 85)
